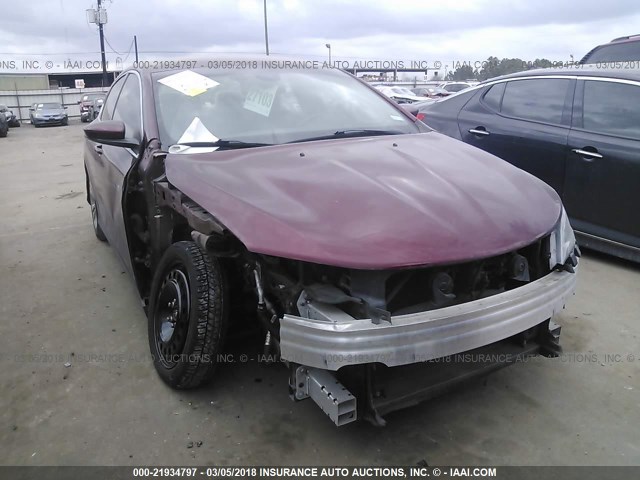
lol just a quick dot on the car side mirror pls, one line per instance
(79, 102)
(110, 132)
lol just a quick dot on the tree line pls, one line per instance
(494, 67)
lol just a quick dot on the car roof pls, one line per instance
(615, 41)
(627, 38)
(576, 71)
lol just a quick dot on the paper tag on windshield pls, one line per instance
(189, 82)
(197, 132)
(260, 100)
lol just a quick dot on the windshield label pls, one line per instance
(189, 82)
(197, 132)
(260, 100)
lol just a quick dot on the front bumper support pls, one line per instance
(330, 339)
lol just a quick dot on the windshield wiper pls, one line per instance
(356, 132)
(222, 144)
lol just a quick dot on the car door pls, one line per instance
(603, 160)
(119, 160)
(525, 122)
(97, 169)
(116, 162)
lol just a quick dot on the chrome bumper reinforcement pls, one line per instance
(330, 339)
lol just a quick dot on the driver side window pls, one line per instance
(110, 101)
(127, 108)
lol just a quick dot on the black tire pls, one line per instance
(15, 124)
(187, 319)
(95, 220)
(65, 122)
(3, 133)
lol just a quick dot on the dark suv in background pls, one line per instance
(4, 126)
(12, 121)
(578, 130)
(622, 49)
(88, 105)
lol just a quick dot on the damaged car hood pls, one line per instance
(370, 203)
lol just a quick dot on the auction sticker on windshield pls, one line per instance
(260, 100)
(189, 82)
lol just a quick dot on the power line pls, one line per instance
(115, 51)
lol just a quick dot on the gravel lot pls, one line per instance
(65, 298)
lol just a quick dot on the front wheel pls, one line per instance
(187, 316)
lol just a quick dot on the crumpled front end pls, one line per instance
(424, 330)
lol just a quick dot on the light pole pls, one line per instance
(99, 17)
(266, 33)
(104, 60)
(328, 45)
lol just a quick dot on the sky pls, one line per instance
(409, 30)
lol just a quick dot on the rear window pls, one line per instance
(536, 99)
(611, 108)
(493, 98)
(614, 52)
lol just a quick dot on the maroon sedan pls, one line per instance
(371, 251)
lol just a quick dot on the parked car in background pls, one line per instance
(4, 126)
(453, 87)
(431, 92)
(414, 108)
(12, 120)
(578, 130)
(95, 107)
(399, 94)
(360, 242)
(86, 102)
(48, 114)
(622, 49)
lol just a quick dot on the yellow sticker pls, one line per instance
(189, 82)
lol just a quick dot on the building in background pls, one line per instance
(10, 82)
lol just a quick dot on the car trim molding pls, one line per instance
(551, 76)
(332, 339)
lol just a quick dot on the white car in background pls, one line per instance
(399, 94)
(454, 87)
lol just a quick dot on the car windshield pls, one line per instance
(49, 106)
(456, 87)
(269, 106)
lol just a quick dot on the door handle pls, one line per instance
(479, 131)
(588, 155)
(98, 149)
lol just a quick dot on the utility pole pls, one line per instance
(328, 45)
(104, 60)
(266, 33)
(135, 45)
